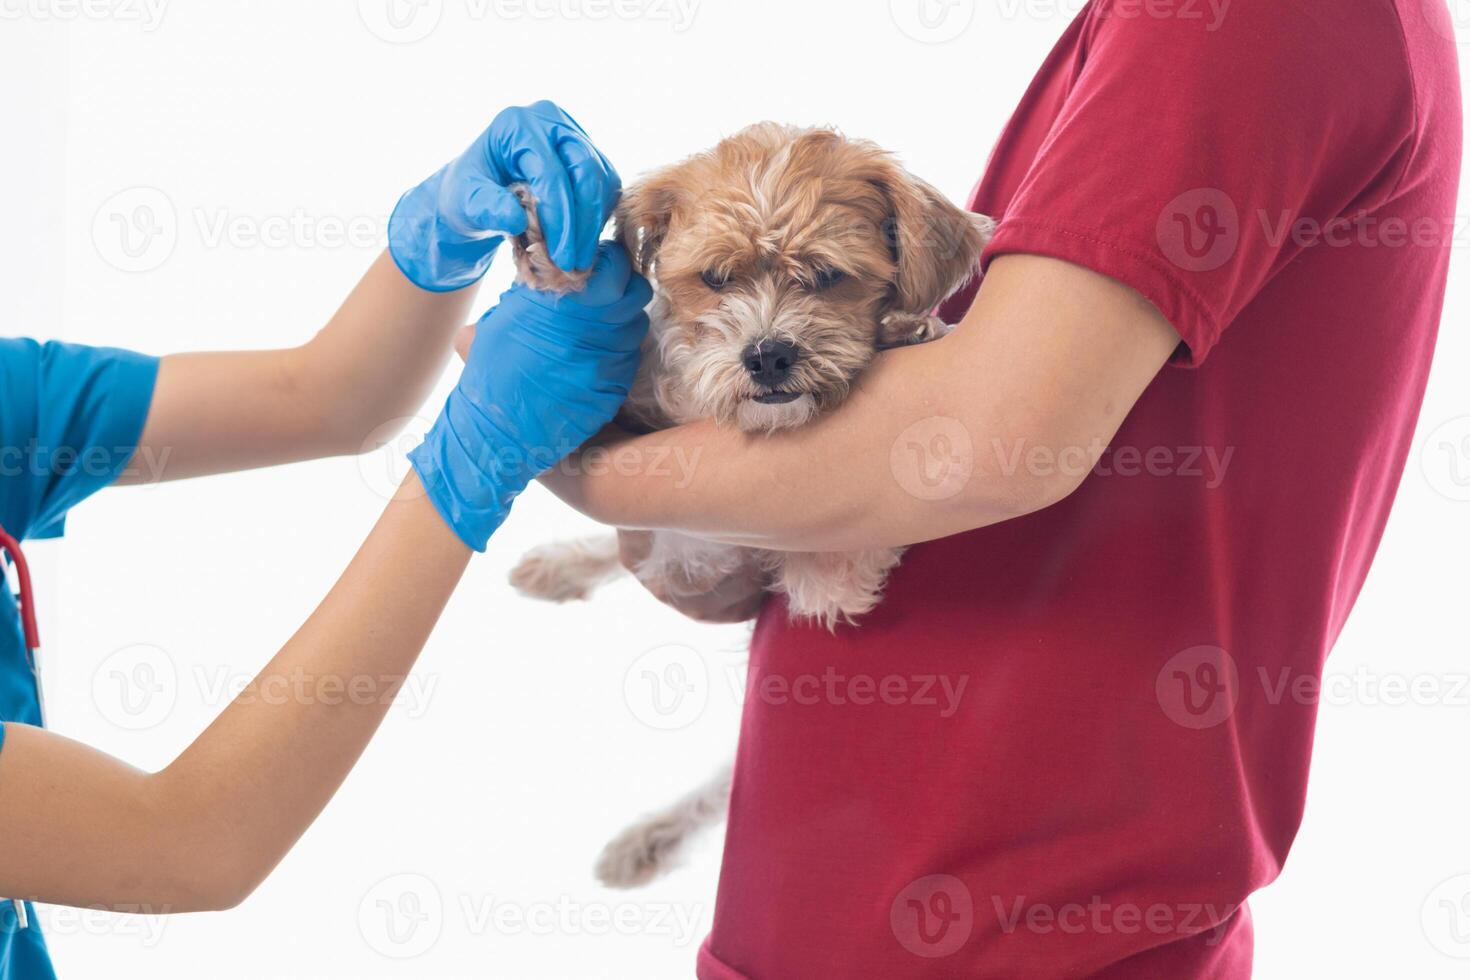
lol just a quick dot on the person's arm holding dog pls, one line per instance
(1050, 355)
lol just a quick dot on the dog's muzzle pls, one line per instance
(769, 364)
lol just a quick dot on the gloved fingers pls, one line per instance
(595, 188)
(612, 274)
(555, 203)
(479, 207)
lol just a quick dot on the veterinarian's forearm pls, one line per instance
(82, 828)
(1006, 415)
(372, 364)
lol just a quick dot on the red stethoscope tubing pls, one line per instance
(26, 603)
(10, 547)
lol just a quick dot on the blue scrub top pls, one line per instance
(70, 418)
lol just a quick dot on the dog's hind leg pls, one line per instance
(652, 846)
(564, 570)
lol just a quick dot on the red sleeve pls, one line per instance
(1195, 156)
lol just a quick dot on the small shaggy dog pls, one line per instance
(783, 259)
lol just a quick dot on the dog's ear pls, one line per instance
(936, 245)
(643, 215)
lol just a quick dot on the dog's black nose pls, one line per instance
(770, 361)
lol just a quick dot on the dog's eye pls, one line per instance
(714, 279)
(827, 278)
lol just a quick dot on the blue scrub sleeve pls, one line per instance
(70, 419)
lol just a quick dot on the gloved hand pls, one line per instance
(543, 375)
(444, 232)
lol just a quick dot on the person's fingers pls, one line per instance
(593, 193)
(555, 205)
(610, 280)
(484, 209)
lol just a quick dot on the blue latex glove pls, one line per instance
(444, 232)
(543, 375)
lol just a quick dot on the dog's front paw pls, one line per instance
(641, 853)
(566, 570)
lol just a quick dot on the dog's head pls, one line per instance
(785, 258)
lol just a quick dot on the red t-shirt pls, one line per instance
(1072, 744)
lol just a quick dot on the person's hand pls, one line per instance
(732, 599)
(444, 232)
(543, 375)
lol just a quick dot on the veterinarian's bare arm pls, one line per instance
(81, 828)
(1050, 355)
(374, 362)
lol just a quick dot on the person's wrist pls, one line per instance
(471, 480)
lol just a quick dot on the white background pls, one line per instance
(494, 789)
